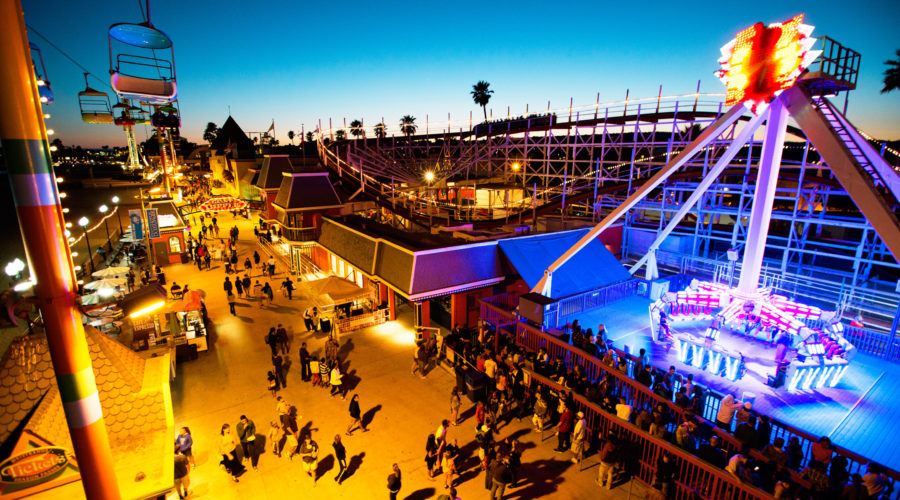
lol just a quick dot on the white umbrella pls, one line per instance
(101, 321)
(92, 299)
(110, 272)
(105, 283)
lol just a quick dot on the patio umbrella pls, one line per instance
(105, 283)
(101, 321)
(92, 299)
(110, 272)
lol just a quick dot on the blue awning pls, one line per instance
(593, 267)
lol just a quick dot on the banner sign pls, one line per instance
(153, 223)
(222, 203)
(137, 224)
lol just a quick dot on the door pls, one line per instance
(162, 253)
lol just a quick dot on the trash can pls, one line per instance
(325, 325)
(475, 385)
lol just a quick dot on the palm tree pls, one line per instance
(209, 135)
(340, 135)
(356, 129)
(892, 75)
(481, 94)
(291, 136)
(380, 130)
(408, 125)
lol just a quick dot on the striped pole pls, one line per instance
(40, 217)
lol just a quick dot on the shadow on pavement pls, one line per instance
(369, 415)
(353, 465)
(421, 494)
(539, 478)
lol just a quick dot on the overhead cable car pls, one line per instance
(137, 70)
(40, 74)
(94, 105)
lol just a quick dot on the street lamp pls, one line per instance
(83, 222)
(115, 200)
(429, 176)
(103, 209)
(14, 269)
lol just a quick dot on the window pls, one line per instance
(333, 263)
(174, 245)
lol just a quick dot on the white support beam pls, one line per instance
(714, 130)
(733, 149)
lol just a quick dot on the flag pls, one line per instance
(271, 127)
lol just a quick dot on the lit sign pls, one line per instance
(33, 465)
(222, 203)
(762, 61)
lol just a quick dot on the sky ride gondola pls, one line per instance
(40, 74)
(137, 70)
(94, 105)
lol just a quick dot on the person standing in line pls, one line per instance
(564, 430)
(394, 482)
(182, 478)
(278, 364)
(231, 301)
(246, 431)
(304, 362)
(185, 444)
(500, 479)
(455, 404)
(337, 385)
(309, 454)
(282, 335)
(727, 408)
(355, 416)
(578, 437)
(340, 455)
(227, 448)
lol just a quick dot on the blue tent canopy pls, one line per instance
(593, 267)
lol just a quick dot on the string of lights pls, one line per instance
(73, 241)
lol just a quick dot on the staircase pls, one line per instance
(872, 184)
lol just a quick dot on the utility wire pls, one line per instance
(67, 56)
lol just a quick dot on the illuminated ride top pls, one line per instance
(760, 68)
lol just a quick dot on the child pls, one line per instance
(273, 383)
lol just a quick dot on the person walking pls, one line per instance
(356, 419)
(448, 466)
(182, 475)
(307, 318)
(288, 286)
(272, 341)
(304, 362)
(278, 364)
(246, 431)
(272, 382)
(337, 386)
(500, 479)
(258, 293)
(269, 294)
(227, 448)
(323, 372)
(256, 258)
(455, 404)
(340, 455)
(275, 436)
(282, 336)
(239, 286)
(394, 482)
(231, 301)
(309, 454)
(227, 286)
(185, 444)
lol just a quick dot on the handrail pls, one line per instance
(533, 339)
(694, 473)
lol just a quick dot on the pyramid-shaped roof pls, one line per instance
(306, 190)
(231, 132)
(270, 172)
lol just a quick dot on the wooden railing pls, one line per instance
(694, 475)
(640, 396)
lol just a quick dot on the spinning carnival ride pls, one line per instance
(760, 68)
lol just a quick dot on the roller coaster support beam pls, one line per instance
(714, 130)
(739, 141)
(36, 198)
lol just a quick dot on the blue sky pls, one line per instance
(298, 62)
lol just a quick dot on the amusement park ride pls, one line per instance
(142, 69)
(761, 68)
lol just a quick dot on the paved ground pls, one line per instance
(401, 409)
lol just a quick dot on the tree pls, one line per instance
(892, 75)
(291, 136)
(209, 135)
(309, 137)
(481, 94)
(340, 135)
(356, 129)
(380, 130)
(58, 143)
(408, 125)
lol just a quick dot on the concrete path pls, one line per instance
(400, 409)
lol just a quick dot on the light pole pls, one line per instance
(429, 176)
(83, 222)
(115, 200)
(103, 209)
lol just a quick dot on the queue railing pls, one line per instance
(640, 397)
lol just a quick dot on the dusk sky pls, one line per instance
(298, 62)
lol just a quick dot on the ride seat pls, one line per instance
(97, 118)
(143, 88)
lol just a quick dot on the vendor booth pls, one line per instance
(345, 306)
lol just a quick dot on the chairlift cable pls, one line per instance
(67, 56)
